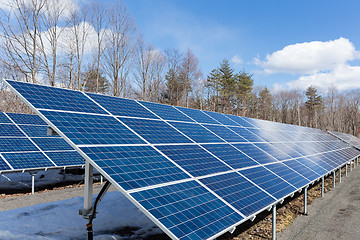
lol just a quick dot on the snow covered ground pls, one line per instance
(60, 220)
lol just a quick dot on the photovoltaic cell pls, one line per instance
(273, 151)
(255, 153)
(194, 159)
(286, 149)
(245, 133)
(16, 145)
(155, 131)
(197, 115)
(230, 155)
(196, 132)
(221, 118)
(52, 144)
(242, 121)
(66, 158)
(8, 130)
(20, 118)
(225, 133)
(313, 166)
(288, 175)
(35, 131)
(239, 192)
(268, 181)
(302, 169)
(3, 165)
(122, 107)
(92, 129)
(27, 160)
(188, 210)
(135, 166)
(42, 97)
(4, 118)
(166, 112)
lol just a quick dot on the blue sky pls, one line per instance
(285, 44)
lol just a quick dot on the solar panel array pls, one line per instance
(25, 145)
(350, 139)
(196, 174)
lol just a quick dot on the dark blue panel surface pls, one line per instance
(4, 118)
(27, 160)
(273, 151)
(66, 158)
(10, 130)
(225, 133)
(92, 129)
(230, 155)
(135, 166)
(313, 166)
(196, 132)
(288, 175)
(263, 135)
(155, 131)
(188, 210)
(302, 169)
(197, 115)
(268, 181)
(55, 98)
(239, 192)
(242, 121)
(122, 107)
(245, 133)
(221, 118)
(3, 165)
(166, 112)
(194, 159)
(19, 118)
(16, 145)
(52, 144)
(322, 162)
(36, 131)
(255, 153)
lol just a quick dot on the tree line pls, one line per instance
(97, 48)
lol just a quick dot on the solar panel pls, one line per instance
(349, 139)
(25, 145)
(196, 174)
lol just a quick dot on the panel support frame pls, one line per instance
(274, 222)
(322, 186)
(86, 212)
(305, 200)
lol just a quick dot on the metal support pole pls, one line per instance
(334, 178)
(274, 222)
(354, 163)
(101, 180)
(305, 200)
(340, 174)
(350, 166)
(357, 161)
(322, 187)
(33, 184)
(88, 188)
(346, 169)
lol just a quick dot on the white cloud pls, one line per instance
(310, 57)
(237, 60)
(52, 6)
(343, 77)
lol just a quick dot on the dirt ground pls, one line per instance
(259, 229)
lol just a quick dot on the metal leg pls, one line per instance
(322, 187)
(340, 174)
(350, 166)
(33, 184)
(88, 188)
(101, 180)
(334, 178)
(346, 170)
(305, 201)
(274, 222)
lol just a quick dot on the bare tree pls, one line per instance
(120, 43)
(20, 27)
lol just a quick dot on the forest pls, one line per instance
(98, 48)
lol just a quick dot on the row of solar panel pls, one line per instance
(42, 97)
(186, 176)
(350, 139)
(25, 145)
